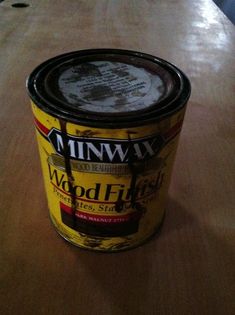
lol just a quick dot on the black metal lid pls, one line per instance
(108, 87)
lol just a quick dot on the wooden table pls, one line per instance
(189, 268)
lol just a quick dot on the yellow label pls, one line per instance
(106, 188)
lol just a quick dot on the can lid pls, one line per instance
(107, 86)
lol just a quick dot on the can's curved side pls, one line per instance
(106, 188)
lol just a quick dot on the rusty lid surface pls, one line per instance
(109, 86)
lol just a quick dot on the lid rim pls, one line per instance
(114, 119)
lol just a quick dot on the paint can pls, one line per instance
(107, 123)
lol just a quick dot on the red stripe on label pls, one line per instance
(173, 131)
(66, 208)
(41, 127)
(100, 218)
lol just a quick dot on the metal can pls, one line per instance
(107, 124)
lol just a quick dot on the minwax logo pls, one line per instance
(106, 150)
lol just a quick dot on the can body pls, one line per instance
(106, 187)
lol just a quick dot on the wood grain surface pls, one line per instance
(189, 267)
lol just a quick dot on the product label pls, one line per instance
(106, 150)
(106, 188)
